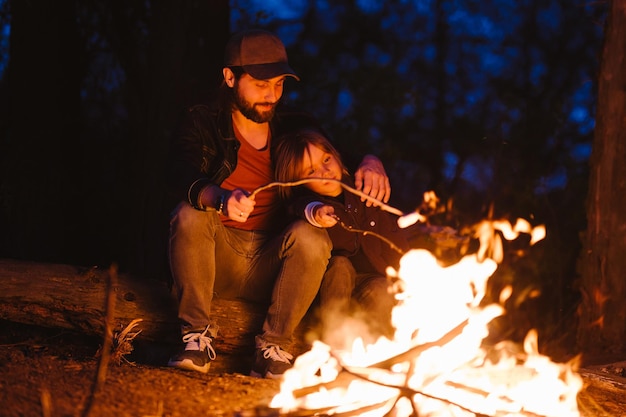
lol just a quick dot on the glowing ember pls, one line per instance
(436, 364)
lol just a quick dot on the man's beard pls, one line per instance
(249, 110)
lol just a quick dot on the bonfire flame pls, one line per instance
(436, 364)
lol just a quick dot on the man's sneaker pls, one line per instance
(270, 361)
(198, 352)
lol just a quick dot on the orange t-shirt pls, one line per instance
(254, 169)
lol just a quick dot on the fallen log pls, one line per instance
(73, 297)
(604, 393)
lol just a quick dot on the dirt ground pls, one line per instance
(51, 373)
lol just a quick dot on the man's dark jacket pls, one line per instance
(204, 149)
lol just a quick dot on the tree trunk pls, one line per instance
(602, 326)
(38, 166)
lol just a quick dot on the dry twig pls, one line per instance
(107, 342)
(46, 403)
(122, 342)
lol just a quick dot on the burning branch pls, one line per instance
(348, 374)
(417, 350)
(351, 373)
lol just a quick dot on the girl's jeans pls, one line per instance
(206, 259)
(363, 295)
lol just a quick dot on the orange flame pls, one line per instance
(436, 363)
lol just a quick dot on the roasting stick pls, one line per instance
(377, 202)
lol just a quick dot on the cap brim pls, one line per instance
(267, 71)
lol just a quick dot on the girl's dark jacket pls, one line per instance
(363, 248)
(204, 149)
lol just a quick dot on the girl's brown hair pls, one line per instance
(289, 156)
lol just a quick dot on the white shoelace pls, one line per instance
(199, 341)
(276, 353)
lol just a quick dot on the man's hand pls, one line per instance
(371, 178)
(237, 205)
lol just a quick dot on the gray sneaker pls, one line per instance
(270, 361)
(198, 352)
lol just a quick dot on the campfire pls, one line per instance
(436, 364)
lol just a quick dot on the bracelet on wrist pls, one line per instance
(219, 204)
(199, 204)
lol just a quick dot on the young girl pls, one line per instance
(366, 240)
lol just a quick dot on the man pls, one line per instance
(224, 242)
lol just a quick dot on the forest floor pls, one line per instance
(51, 373)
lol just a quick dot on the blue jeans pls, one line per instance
(206, 259)
(365, 295)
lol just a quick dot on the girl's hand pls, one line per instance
(325, 216)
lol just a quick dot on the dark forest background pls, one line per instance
(488, 103)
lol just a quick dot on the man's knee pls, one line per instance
(185, 217)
